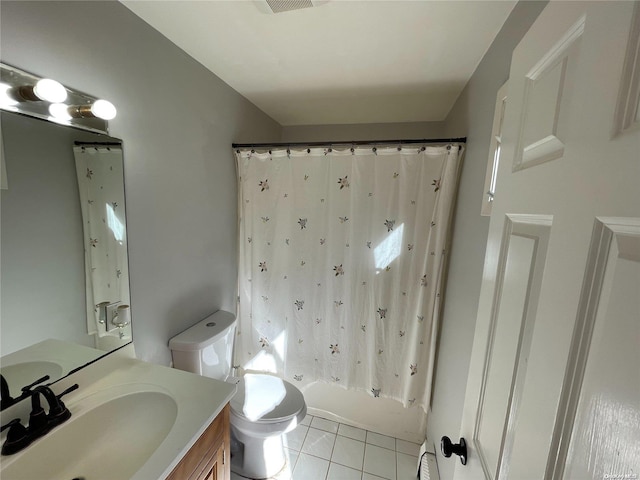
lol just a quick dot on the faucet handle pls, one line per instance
(15, 421)
(27, 389)
(17, 437)
(59, 413)
(73, 387)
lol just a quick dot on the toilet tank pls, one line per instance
(206, 348)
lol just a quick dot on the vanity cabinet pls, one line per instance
(210, 457)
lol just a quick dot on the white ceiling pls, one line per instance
(341, 62)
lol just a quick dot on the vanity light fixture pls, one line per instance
(103, 109)
(40, 97)
(60, 111)
(5, 98)
(45, 89)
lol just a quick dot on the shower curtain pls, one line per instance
(342, 258)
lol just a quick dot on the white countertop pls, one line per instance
(199, 400)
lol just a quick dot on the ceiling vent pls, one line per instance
(279, 6)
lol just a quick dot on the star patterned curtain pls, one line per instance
(341, 261)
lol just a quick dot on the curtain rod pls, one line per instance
(358, 142)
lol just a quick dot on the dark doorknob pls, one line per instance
(448, 448)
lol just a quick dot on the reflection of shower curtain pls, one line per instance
(341, 264)
(100, 182)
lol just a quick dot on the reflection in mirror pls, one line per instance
(40, 363)
(99, 169)
(49, 249)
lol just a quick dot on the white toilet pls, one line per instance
(264, 407)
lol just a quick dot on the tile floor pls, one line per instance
(320, 449)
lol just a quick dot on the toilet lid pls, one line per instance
(266, 399)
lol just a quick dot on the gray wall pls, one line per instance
(471, 116)
(362, 131)
(177, 122)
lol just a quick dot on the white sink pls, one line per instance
(129, 420)
(127, 428)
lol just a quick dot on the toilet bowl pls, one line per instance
(264, 407)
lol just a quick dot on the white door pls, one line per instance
(554, 383)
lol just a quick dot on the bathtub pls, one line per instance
(360, 409)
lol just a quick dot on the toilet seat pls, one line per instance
(265, 399)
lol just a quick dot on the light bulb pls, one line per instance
(59, 111)
(50, 91)
(5, 98)
(103, 109)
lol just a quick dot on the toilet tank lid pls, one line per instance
(203, 333)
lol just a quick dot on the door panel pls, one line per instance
(519, 277)
(559, 162)
(499, 372)
(606, 430)
(546, 98)
(627, 116)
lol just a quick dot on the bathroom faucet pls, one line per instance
(40, 422)
(38, 418)
(6, 400)
(58, 412)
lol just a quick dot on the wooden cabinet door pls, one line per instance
(217, 470)
(208, 458)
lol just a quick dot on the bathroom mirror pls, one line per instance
(63, 248)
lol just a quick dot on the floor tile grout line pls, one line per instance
(331, 455)
(355, 440)
(364, 450)
(301, 445)
(336, 463)
(316, 456)
(395, 439)
(347, 466)
(365, 442)
(396, 459)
